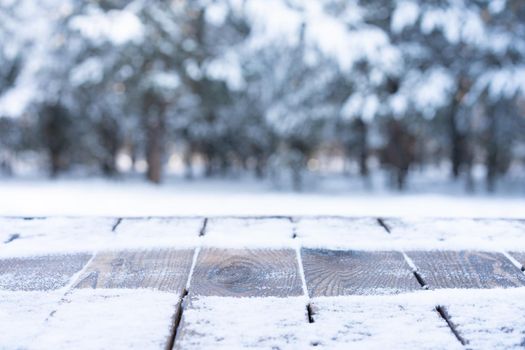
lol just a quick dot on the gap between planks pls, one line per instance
(177, 320)
(443, 313)
(408, 260)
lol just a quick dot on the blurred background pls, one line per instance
(326, 95)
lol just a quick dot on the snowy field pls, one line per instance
(22, 197)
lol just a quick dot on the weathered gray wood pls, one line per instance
(331, 273)
(162, 269)
(466, 269)
(40, 273)
(520, 257)
(243, 272)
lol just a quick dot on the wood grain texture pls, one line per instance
(162, 269)
(466, 269)
(246, 273)
(40, 273)
(332, 273)
(520, 257)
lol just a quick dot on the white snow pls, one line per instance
(117, 26)
(342, 233)
(54, 235)
(234, 323)
(488, 319)
(157, 233)
(249, 233)
(405, 15)
(109, 318)
(458, 234)
(65, 235)
(22, 315)
(77, 234)
(219, 198)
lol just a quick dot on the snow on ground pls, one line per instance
(487, 319)
(241, 198)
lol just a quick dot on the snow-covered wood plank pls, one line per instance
(60, 235)
(456, 234)
(248, 233)
(488, 319)
(335, 272)
(405, 321)
(40, 273)
(236, 323)
(162, 269)
(244, 272)
(466, 269)
(357, 322)
(342, 233)
(22, 315)
(110, 319)
(520, 258)
(142, 233)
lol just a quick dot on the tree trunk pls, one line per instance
(154, 150)
(362, 131)
(456, 149)
(491, 161)
(155, 125)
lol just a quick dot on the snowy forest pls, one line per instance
(263, 87)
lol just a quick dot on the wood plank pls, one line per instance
(456, 234)
(402, 321)
(342, 233)
(243, 323)
(110, 319)
(248, 273)
(123, 299)
(41, 272)
(149, 233)
(466, 269)
(488, 319)
(249, 233)
(349, 322)
(22, 315)
(162, 269)
(520, 257)
(333, 272)
(57, 235)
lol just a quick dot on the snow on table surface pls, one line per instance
(157, 233)
(86, 319)
(249, 233)
(406, 321)
(22, 315)
(65, 235)
(106, 318)
(142, 318)
(457, 234)
(342, 233)
(55, 235)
